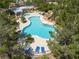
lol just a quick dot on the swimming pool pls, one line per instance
(38, 28)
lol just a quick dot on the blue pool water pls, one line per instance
(37, 28)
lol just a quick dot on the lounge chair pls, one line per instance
(42, 49)
(37, 49)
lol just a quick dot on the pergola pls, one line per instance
(21, 9)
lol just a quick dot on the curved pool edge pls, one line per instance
(41, 19)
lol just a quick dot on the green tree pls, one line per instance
(8, 35)
(67, 28)
(5, 3)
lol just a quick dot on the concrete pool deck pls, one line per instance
(38, 41)
(41, 42)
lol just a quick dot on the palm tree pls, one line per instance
(23, 19)
(29, 38)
